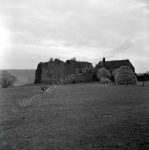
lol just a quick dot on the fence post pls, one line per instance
(143, 84)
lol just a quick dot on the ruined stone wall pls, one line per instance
(81, 70)
(52, 71)
(57, 71)
(38, 73)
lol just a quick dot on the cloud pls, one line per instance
(78, 28)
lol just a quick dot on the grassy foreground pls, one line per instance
(75, 117)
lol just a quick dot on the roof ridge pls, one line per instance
(117, 60)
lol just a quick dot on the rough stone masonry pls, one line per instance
(71, 71)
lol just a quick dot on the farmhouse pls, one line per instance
(72, 71)
(56, 71)
(113, 65)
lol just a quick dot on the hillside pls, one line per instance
(24, 76)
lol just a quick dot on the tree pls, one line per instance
(6, 79)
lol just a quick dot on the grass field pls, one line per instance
(146, 84)
(75, 117)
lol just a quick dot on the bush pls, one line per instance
(103, 73)
(125, 76)
(94, 75)
(50, 60)
(7, 80)
(73, 59)
(143, 76)
(105, 81)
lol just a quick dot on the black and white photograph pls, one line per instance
(74, 74)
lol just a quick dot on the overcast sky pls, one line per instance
(32, 31)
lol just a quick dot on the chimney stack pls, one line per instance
(104, 62)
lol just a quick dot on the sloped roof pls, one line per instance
(115, 64)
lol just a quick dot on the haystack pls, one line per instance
(125, 76)
(103, 73)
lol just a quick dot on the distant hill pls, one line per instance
(24, 76)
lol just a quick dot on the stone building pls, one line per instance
(114, 64)
(57, 71)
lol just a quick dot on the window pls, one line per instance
(49, 74)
